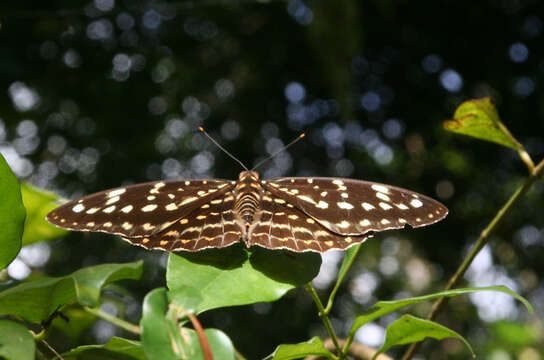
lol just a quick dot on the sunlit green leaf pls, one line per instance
(35, 301)
(235, 276)
(12, 215)
(115, 349)
(479, 118)
(382, 308)
(314, 346)
(409, 329)
(351, 253)
(16, 342)
(38, 203)
(163, 339)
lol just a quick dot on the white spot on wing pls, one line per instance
(343, 224)
(127, 209)
(171, 207)
(367, 206)
(149, 208)
(385, 221)
(383, 197)
(109, 209)
(385, 206)
(78, 208)
(416, 203)
(188, 200)
(345, 205)
(113, 200)
(364, 222)
(116, 192)
(322, 204)
(380, 188)
(402, 206)
(306, 198)
(92, 210)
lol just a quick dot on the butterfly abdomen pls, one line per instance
(247, 196)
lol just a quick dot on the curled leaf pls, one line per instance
(479, 118)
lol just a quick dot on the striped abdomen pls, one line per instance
(247, 196)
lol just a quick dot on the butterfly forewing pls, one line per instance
(353, 207)
(280, 225)
(212, 224)
(138, 210)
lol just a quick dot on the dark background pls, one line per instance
(100, 94)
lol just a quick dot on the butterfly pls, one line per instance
(298, 214)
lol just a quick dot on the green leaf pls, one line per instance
(479, 118)
(158, 339)
(39, 203)
(382, 308)
(351, 253)
(12, 215)
(314, 346)
(35, 301)
(515, 334)
(115, 349)
(74, 322)
(220, 344)
(235, 276)
(162, 339)
(16, 342)
(409, 329)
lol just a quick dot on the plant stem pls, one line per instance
(42, 335)
(238, 355)
(125, 325)
(341, 277)
(482, 241)
(325, 319)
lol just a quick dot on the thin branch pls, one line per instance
(125, 325)
(536, 173)
(325, 319)
(340, 280)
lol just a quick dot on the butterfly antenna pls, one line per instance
(222, 148)
(279, 151)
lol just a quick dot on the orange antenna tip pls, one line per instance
(302, 135)
(201, 128)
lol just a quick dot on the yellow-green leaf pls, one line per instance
(479, 118)
(39, 203)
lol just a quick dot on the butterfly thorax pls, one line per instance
(247, 195)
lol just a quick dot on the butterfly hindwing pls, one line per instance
(280, 225)
(211, 225)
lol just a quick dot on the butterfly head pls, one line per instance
(248, 175)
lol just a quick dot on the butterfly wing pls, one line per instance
(137, 210)
(213, 224)
(280, 225)
(354, 207)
